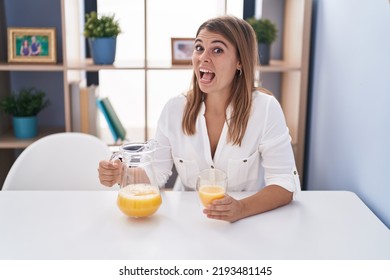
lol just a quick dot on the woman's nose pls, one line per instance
(205, 56)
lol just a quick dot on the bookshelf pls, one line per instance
(292, 68)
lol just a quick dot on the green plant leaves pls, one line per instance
(27, 102)
(104, 26)
(266, 31)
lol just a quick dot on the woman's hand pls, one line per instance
(227, 209)
(110, 172)
(231, 210)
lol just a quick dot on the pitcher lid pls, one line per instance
(140, 148)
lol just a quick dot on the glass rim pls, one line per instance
(220, 171)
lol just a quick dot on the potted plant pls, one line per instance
(266, 33)
(24, 107)
(101, 33)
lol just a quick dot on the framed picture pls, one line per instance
(32, 45)
(182, 49)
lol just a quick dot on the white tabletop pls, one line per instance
(88, 225)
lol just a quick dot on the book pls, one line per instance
(117, 124)
(84, 110)
(74, 96)
(88, 110)
(102, 108)
(93, 92)
(116, 127)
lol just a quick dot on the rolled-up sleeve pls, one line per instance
(276, 150)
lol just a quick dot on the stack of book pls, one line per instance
(84, 113)
(83, 108)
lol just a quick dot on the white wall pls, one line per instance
(349, 132)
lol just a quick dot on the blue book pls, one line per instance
(114, 119)
(102, 108)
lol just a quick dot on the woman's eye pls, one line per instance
(218, 50)
(198, 48)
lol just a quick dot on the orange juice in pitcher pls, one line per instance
(139, 194)
(139, 200)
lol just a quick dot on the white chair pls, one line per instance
(61, 161)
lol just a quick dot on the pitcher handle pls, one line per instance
(116, 155)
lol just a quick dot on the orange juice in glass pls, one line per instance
(139, 200)
(211, 185)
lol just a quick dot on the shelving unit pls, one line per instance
(296, 49)
(293, 70)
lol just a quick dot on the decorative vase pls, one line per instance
(103, 50)
(25, 127)
(264, 53)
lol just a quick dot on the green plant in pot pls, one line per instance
(266, 33)
(24, 107)
(102, 33)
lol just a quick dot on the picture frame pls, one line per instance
(32, 45)
(182, 49)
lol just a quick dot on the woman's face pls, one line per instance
(215, 63)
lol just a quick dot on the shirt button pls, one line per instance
(295, 173)
(245, 160)
(212, 166)
(181, 161)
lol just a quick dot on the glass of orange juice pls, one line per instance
(211, 184)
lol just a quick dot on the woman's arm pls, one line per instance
(231, 210)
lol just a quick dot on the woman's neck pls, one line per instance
(216, 104)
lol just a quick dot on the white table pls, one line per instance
(88, 225)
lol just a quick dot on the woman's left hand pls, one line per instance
(227, 209)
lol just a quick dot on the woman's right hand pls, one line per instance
(110, 172)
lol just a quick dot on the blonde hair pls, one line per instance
(242, 36)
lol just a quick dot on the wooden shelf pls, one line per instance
(9, 141)
(87, 65)
(279, 66)
(31, 67)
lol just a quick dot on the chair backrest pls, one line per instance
(61, 161)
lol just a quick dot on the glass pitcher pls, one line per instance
(139, 194)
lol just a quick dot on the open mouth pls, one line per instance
(206, 75)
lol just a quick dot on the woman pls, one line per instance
(25, 49)
(223, 122)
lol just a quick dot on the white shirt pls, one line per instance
(265, 156)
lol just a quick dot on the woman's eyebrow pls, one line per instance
(213, 42)
(219, 41)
